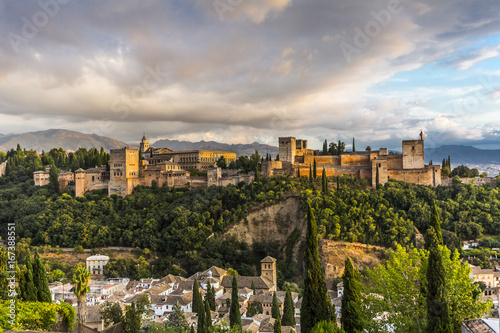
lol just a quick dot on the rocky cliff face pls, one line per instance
(275, 224)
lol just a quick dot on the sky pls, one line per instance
(239, 71)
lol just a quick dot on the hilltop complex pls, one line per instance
(149, 166)
(295, 158)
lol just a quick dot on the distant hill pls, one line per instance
(462, 155)
(239, 149)
(57, 138)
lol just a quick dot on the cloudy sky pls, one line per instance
(253, 70)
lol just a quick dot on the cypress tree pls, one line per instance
(314, 170)
(377, 179)
(315, 305)
(210, 297)
(353, 145)
(275, 308)
(27, 287)
(253, 288)
(339, 149)
(338, 182)
(40, 280)
(325, 148)
(54, 179)
(234, 312)
(202, 322)
(436, 223)
(310, 174)
(197, 299)
(208, 317)
(277, 325)
(288, 310)
(352, 317)
(438, 319)
(324, 182)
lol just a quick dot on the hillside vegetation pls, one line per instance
(189, 228)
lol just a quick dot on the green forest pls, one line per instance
(182, 226)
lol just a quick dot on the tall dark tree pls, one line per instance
(27, 287)
(208, 316)
(377, 179)
(315, 305)
(54, 179)
(352, 316)
(210, 296)
(325, 148)
(310, 174)
(234, 311)
(275, 308)
(436, 223)
(438, 318)
(353, 145)
(315, 173)
(253, 288)
(338, 182)
(324, 182)
(288, 310)
(202, 321)
(277, 325)
(40, 280)
(197, 298)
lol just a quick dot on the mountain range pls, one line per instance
(239, 149)
(71, 141)
(57, 138)
(462, 155)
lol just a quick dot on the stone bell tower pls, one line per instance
(268, 270)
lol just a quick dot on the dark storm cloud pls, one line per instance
(268, 68)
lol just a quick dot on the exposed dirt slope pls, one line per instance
(275, 224)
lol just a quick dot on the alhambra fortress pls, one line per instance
(296, 159)
(149, 166)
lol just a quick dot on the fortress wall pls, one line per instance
(333, 171)
(416, 176)
(65, 179)
(394, 161)
(321, 159)
(354, 159)
(96, 183)
(299, 159)
(366, 173)
(195, 182)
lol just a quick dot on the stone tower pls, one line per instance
(413, 154)
(144, 145)
(287, 149)
(268, 270)
(124, 171)
(79, 183)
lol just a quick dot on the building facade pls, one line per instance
(95, 264)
